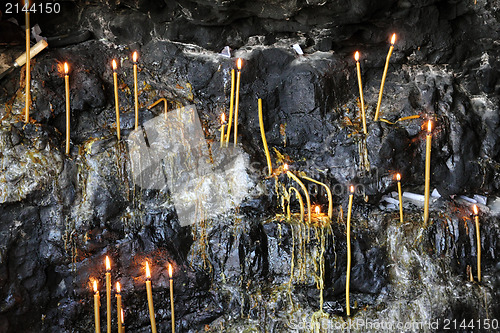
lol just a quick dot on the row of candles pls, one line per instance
(119, 308)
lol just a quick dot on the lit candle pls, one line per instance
(117, 106)
(328, 192)
(360, 84)
(308, 200)
(119, 309)
(393, 40)
(134, 58)
(150, 299)
(223, 125)
(97, 304)
(427, 171)
(66, 84)
(237, 100)
(28, 69)
(123, 321)
(108, 293)
(171, 296)
(348, 273)
(478, 238)
(398, 177)
(231, 106)
(264, 141)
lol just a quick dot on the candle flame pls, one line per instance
(393, 39)
(429, 126)
(108, 264)
(222, 118)
(66, 68)
(317, 210)
(148, 273)
(135, 56)
(356, 56)
(351, 188)
(475, 209)
(170, 270)
(122, 317)
(285, 167)
(398, 177)
(118, 289)
(95, 286)
(239, 62)
(113, 63)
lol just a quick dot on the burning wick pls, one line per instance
(28, 69)
(360, 85)
(348, 272)
(150, 299)
(285, 167)
(117, 106)
(136, 94)
(171, 296)
(398, 178)
(108, 293)
(264, 141)
(381, 91)
(237, 102)
(97, 303)
(223, 125)
(328, 192)
(66, 85)
(119, 309)
(123, 321)
(317, 210)
(478, 238)
(427, 171)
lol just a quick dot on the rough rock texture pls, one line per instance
(251, 269)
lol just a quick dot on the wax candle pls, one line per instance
(165, 105)
(136, 102)
(264, 141)
(348, 272)
(119, 306)
(400, 194)
(123, 321)
(231, 106)
(171, 296)
(478, 238)
(304, 189)
(117, 106)
(97, 304)
(237, 100)
(223, 125)
(427, 171)
(360, 85)
(28, 67)
(150, 299)
(108, 294)
(66, 85)
(328, 192)
(381, 91)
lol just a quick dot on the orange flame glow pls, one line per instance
(122, 317)
(108, 264)
(393, 39)
(223, 118)
(113, 63)
(239, 63)
(475, 209)
(95, 286)
(66, 68)
(351, 188)
(356, 56)
(118, 288)
(135, 56)
(398, 177)
(317, 210)
(170, 270)
(429, 126)
(285, 167)
(148, 273)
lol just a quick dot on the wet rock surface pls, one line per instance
(250, 268)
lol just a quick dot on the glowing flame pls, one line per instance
(66, 68)
(398, 177)
(356, 56)
(317, 210)
(122, 317)
(429, 126)
(223, 118)
(285, 167)
(474, 208)
(170, 270)
(95, 286)
(148, 273)
(393, 39)
(351, 188)
(135, 56)
(239, 62)
(113, 63)
(118, 289)
(108, 264)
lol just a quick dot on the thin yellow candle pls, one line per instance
(108, 294)
(231, 106)
(381, 91)
(28, 69)
(264, 141)
(237, 100)
(97, 304)
(301, 202)
(119, 309)
(66, 85)
(478, 238)
(171, 296)
(398, 177)
(150, 299)
(117, 106)
(304, 189)
(427, 171)
(360, 85)
(348, 272)
(223, 125)
(328, 192)
(134, 58)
